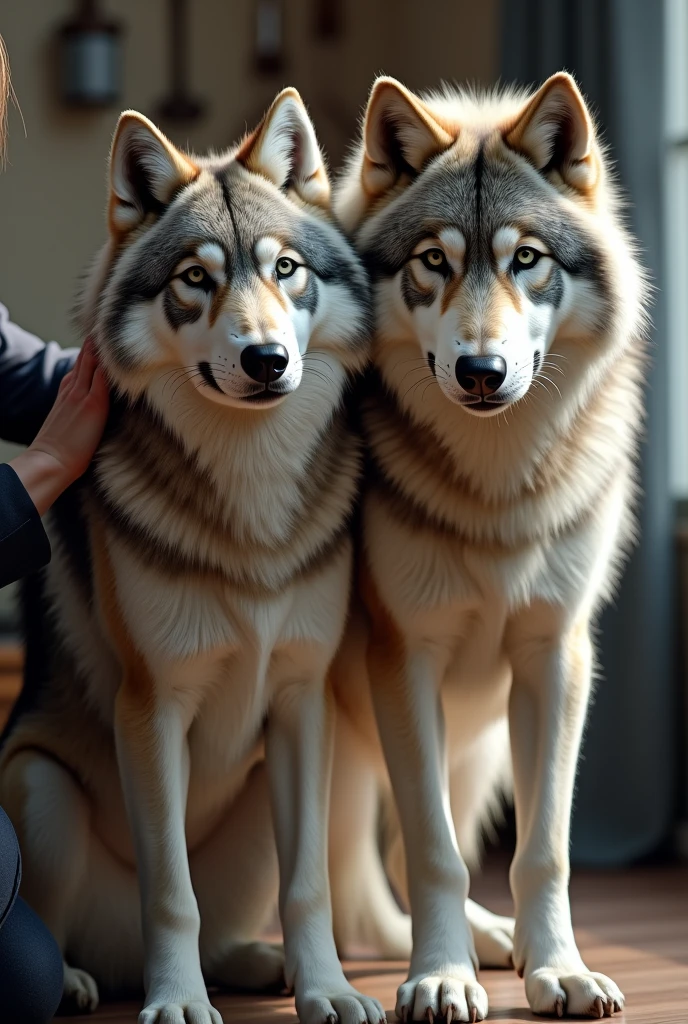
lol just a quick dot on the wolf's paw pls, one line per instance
(579, 994)
(251, 966)
(345, 1005)
(191, 1011)
(455, 996)
(493, 936)
(80, 989)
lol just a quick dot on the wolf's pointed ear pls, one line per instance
(285, 150)
(554, 131)
(145, 172)
(399, 135)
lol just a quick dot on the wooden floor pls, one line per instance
(630, 925)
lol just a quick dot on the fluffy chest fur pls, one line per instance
(253, 504)
(468, 522)
(503, 417)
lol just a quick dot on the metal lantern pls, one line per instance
(269, 43)
(90, 58)
(329, 18)
(179, 105)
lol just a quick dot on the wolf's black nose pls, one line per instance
(265, 363)
(480, 375)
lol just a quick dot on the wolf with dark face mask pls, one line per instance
(199, 587)
(502, 426)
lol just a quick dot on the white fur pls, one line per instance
(162, 163)
(480, 612)
(144, 804)
(287, 148)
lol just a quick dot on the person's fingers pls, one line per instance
(71, 380)
(99, 388)
(78, 361)
(66, 382)
(89, 349)
(85, 365)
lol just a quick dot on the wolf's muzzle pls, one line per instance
(480, 375)
(265, 363)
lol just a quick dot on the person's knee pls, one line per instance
(31, 971)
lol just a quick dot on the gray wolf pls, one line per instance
(199, 587)
(502, 429)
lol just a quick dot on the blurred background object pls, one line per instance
(90, 58)
(269, 36)
(206, 70)
(180, 105)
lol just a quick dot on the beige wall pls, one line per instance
(52, 192)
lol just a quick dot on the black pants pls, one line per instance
(30, 961)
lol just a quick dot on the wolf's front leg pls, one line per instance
(152, 751)
(442, 978)
(551, 685)
(299, 750)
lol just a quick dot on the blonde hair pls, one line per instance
(5, 90)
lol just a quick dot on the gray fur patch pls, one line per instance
(178, 314)
(412, 295)
(308, 299)
(478, 197)
(552, 293)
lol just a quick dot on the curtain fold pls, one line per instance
(625, 797)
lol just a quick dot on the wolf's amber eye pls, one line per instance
(285, 267)
(197, 277)
(434, 259)
(526, 256)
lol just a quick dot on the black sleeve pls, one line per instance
(10, 867)
(24, 545)
(30, 374)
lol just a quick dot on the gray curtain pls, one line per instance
(625, 800)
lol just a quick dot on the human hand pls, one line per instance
(66, 443)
